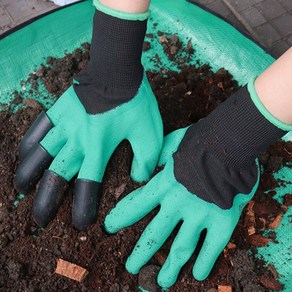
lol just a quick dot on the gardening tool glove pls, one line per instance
(110, 101)
(210, 174)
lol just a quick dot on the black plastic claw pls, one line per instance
(85, 203)
(38, 130)
(31, 169)
(48, 198)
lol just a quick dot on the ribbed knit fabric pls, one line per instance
(114, 73)
(216, 158)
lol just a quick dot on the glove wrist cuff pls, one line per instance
(237, 132)
(115, 72)
(216, 158)
(120, 14)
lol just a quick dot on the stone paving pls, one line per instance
(15, 12)
(267, 21)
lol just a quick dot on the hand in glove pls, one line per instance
(209, 176)
(111, 101)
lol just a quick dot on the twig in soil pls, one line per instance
(287, 151)
(57, 237)
(249, 220)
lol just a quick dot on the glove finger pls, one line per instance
(48, 198)
(96, 159)
(87, 189)
(155, 234)
(170, 145)
(30, 170)
(134, 206)
(146, 146)
(67, 162)
(215, 241)
(35, 134)
(180, 252)
(39, 158)
(86, 197)
(51, 191)
(55, 140)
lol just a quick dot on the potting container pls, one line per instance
(216, 43)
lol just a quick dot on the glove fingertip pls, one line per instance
(141, 172)
(131, 266)
(200, 274)
(140, 178)
(170, 145)
(109, 225)
(48, 198)
(165, 282)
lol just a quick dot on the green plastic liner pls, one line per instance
(216, 43)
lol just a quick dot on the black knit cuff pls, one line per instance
(115, 71)
(216, 158)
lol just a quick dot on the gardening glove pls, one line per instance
(110, 101)
(210, 174)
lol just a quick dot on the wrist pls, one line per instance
(264, 111)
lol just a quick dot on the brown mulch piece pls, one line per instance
(276, 222)
(249, 219)
(70, 270)
(288, 200)
(270, 283)
(223, 288)
(258, 240)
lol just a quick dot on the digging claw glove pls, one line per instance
(209, 176)
(111, 101)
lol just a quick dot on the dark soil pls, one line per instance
(29, 254)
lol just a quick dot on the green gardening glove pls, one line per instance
(209, 176)
(80, 143)
(111, 101)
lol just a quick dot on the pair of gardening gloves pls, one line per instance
(210, 168)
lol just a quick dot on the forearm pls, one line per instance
(130, 6)
(274, 88)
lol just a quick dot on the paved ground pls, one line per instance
(14, 12)
(268, 21)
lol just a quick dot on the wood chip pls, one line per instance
(288, 200)
(189, 44)
(276, 222)
(220, 85)
(249, 219)
(273, 271)
(119, 190)
(163, 40)
(270, 283)
(258, 240)
(284, 208)
(231, 245)
(70, 270)
(29, 102)
(223, 288)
